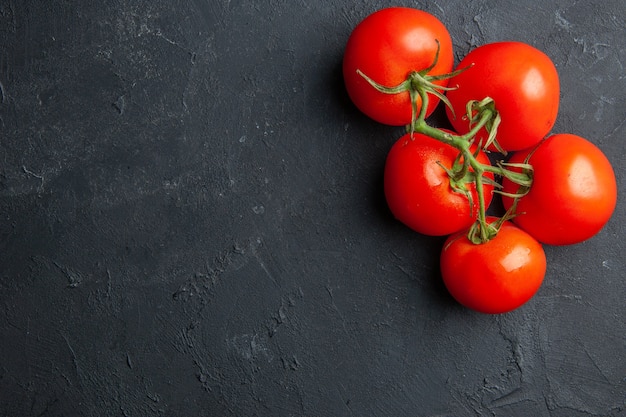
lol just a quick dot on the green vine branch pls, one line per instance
(481, 114)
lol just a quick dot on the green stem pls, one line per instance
(420, 86)
(463, 144)
(423, 94)
(482, 209)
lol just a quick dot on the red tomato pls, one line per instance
(419, 192)
(573, 193)
(522, 81)
(386, 46)
(493, 277)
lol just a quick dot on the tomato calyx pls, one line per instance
(418, 84)
(460, 176)
(475, 110)
(483, 232)
(523, 177)
(462, 173)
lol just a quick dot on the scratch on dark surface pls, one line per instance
(341, 389)
(154, 397)
(516, 396)
(73, 354)
(186, 338)
(109, 283)
(336, 309)
(293, 363)
(282, 315)
(170, 331)
(203, 283)
(593, 361)
(600, 104)
(259, 259)
(478, 19)
(561, 21)
(598, 49)
(248, 350)
(186, 343)
(516, 350)
(618, 127)
(204, 375)
(251, 347)
(3, 94)
(38, 176)
(120, 105)
(74, 279)
(441, 9)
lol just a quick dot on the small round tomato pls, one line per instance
(493, 277)
(419, 191)
(522, 81)
(573, 193)
(387, 46)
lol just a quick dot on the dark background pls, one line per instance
(192, 221)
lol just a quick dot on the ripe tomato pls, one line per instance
(573, 193)
(497, 276)
(386, 46)
(419, 192)
(522, 81)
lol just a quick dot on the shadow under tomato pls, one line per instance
(421, 251)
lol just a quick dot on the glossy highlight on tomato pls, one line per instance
(386, 46)
(573, 194)
(522, 81)
(418, 188)
(497, 276)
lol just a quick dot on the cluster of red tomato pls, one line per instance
(503, 98)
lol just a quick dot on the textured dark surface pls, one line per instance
(192, 222)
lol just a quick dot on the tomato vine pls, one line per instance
(557, 189)
(481, 114)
